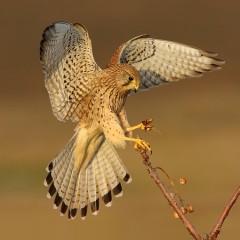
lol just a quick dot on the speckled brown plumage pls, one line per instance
(88, 167)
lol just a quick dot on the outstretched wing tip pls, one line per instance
(213, 56)
(220, 62)
(48, 31)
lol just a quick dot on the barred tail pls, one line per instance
(75, 190)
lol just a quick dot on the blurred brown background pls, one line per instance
(197, 120)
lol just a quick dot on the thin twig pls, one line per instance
(217, 228)
(152, 172)
(173, 184)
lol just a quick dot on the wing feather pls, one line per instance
(67, 60)
(160, 61)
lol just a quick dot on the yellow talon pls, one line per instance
(140, 143)
(145, 125)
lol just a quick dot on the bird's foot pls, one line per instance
(145, 125)
(140, 144)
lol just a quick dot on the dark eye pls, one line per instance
(130, 78)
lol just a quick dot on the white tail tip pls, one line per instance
(45, 183)
(109, 204)
(119, 195)
(95, 213)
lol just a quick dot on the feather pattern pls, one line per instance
(83, 194)
(101, 179)
(111, 155)
(111, 176)
(160, 61)
(75, 190)
(88, 167)
(75, 200)
(92, 188)
(67, 59)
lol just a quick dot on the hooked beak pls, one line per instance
(136, 86)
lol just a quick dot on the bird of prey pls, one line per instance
(88, 167)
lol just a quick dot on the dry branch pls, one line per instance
(217, 228)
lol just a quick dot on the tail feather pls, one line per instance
(111, 155)
(75, 189)
(64, 154)
(62, 181)
(64, 208)
(59, 176)
(59, 164)
(92, 189)
(101, 182)
(83, 196)
(75, 201)
(57, 201)
(112, 178)
(68, 186)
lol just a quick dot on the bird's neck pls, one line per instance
(117, 100)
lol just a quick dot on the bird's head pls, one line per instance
(127, 78)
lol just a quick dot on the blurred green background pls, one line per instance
(197, 120)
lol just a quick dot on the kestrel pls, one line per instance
(88, 167)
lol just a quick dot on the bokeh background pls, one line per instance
(197, 130)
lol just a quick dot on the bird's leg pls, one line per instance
(145, 125)
(139, 143)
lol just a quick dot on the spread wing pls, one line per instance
(67, 60)
(160, 61)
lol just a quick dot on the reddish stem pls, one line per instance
(152, 172)
(217, 228)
